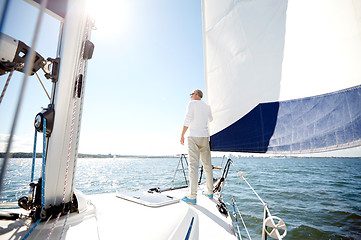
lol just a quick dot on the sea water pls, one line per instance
(317, 198)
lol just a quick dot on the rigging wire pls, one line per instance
(236, 210)
(242, 177)
(47, 94)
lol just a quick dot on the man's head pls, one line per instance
(196, 94)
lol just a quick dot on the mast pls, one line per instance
(62, 152)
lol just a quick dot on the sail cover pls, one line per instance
(283, 76)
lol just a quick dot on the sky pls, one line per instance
(148, 57)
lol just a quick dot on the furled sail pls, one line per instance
(283, 76)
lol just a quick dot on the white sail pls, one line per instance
(323, 48)
(267, 64)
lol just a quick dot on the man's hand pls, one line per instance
(182, 136)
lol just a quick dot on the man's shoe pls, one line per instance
(191, 201)
(208, 195)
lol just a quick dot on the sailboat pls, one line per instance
(255, 54)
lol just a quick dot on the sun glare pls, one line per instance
(110, 15)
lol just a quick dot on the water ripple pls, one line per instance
(317, 198)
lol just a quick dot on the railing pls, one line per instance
(184, 167)
(182, 161)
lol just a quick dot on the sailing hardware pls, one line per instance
(54, 64)
(33, 200)
(62, 209)
(48, 114)
(182, 159)
(201, 174)
(78, 87)
(9, 216)
(88, 50)
(222, 208)
(13, 54)
(277, 230)
(219, 184)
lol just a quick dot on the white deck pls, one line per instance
(106, 216)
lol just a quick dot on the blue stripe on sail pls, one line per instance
(314, 124)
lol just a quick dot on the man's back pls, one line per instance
(197, 116)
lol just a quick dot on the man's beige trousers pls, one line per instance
(199, 147)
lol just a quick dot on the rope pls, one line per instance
(235, 217)
(31, 230)
(264, 204)
(53, 226)
(42, 85)
(66, 219)
(235, 208)
(43, 173)
(242, 177)
(28, 65)
(34, 156)
(6, 86)
(43, 166)
(46, 223)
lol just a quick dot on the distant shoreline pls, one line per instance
(82, 155)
